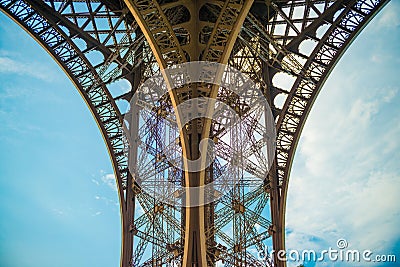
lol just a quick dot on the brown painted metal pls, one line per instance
(260, 38)
(157, 28)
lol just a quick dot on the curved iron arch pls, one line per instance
(56, 30)
(344, 21)
(344, 28)
(55, 26)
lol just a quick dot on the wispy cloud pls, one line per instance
(35, 69)
(109, 180)
(58, 212)
(390, 16)
(106, 181)
(346, 180)
(106, 200)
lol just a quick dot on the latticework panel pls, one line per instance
(98, 43)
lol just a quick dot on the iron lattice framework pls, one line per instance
(98, 43)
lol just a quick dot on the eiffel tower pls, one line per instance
(98, 43)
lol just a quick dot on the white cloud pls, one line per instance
(58, 212)
(346, 179)
(106, 181)
(96, 213)
(108, 201)
(109, 180)
(62, 211)
(34, 69)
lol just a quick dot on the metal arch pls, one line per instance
(342, 31)
(268, 43)
(56, 26)
(350, 18)
(69, 34)
(345, 19)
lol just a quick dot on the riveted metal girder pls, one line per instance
(177, 32)
(303, 40)
(98, 43)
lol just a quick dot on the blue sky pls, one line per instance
(58, 204)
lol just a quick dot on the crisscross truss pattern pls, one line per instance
(288, 48)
